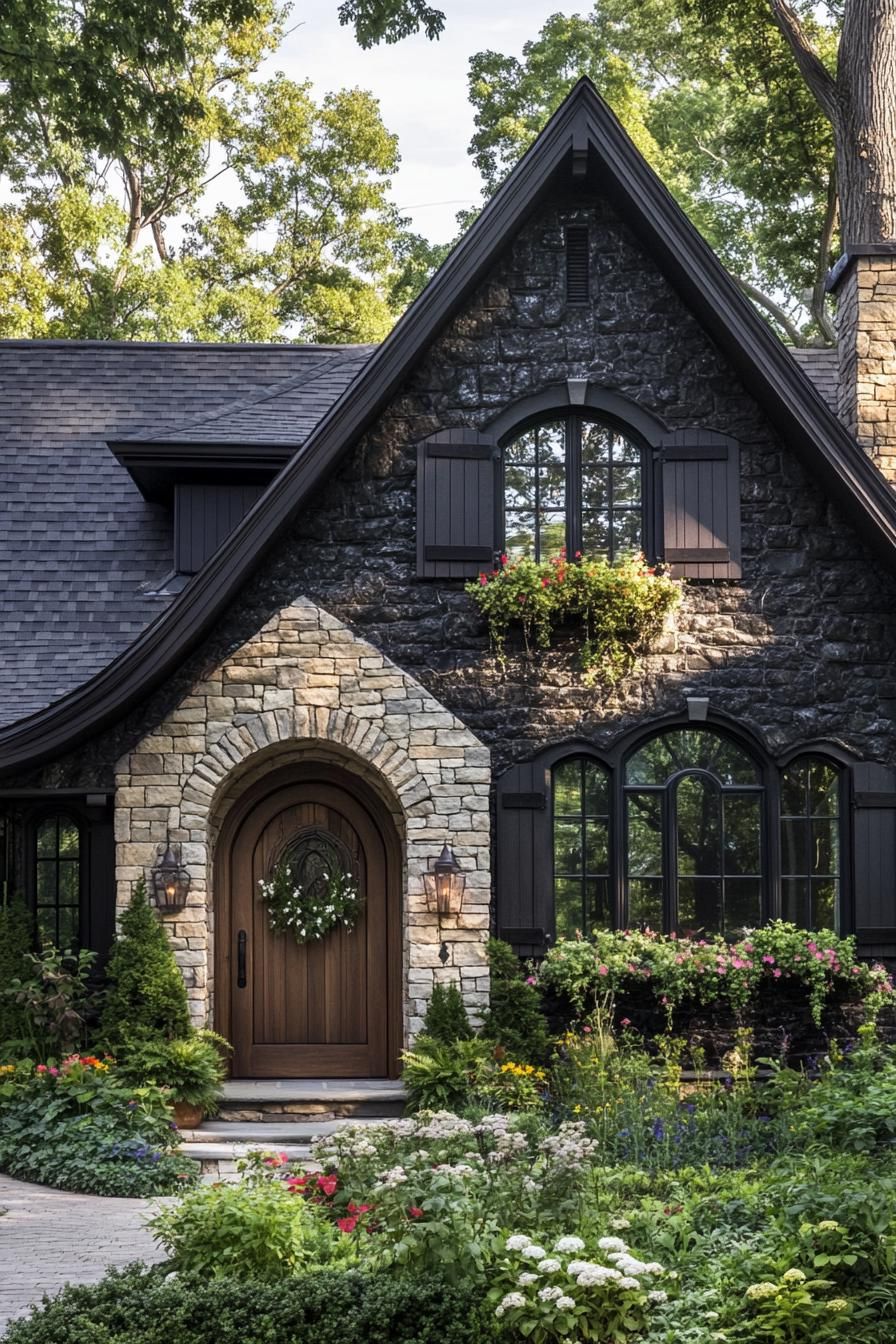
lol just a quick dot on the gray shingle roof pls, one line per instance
(80, 549)
(821, 366)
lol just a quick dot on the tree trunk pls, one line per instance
(861, 106)
(866, 134)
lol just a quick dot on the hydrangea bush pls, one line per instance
(559, 1293)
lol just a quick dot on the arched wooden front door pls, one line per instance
(329, 1008)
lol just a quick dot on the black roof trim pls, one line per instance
(764, 364)
(156, 468)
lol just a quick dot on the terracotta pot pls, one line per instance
(187, 1116)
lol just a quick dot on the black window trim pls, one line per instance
(574, 417)
(613, 755)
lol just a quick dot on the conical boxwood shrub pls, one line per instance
(146, 998)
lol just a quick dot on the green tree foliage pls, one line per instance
(514, 1018)
(713, 99)
(146, 998)
(121, 128)
(377, 21)
(446, 1017)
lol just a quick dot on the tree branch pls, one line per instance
(814, 71)
(773, 309)
(819, 310)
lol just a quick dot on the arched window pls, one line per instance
(57, 866)
(574, 483)
(581, 846)
(810, 843)
(694, 826)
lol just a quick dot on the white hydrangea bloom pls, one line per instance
(525, 1280)
(513, 1300)
(596, 1274)
(628, 1282)
(619, 1224)
(653, 1267)
(532, 1252)
(518, 1242)
(569, 1245)
(566, 1303)
(657, 1295)
(612, 1244)
(550, 1294)
(578, 1266)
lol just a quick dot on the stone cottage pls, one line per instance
(235, 631)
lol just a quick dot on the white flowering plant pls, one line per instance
(548, 1290)
(310, 912)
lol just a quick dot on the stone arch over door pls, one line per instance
(306, 688)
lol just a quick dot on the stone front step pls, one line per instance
(297, 1100)
(284, 1115)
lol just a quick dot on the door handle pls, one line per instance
(241, 959)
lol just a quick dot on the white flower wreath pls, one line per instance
(308, 916)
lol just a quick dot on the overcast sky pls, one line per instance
(422, 89)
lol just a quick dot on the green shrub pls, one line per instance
(191, 1068)
(514, 1018)
(16, 941)
(440, 1075)
(80, 1126)
(55, 999)
(446, 1017)
(146, 998)
(139, 1307)
(260, 1230)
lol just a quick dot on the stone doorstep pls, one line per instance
(266, 1133)
(312, 1090)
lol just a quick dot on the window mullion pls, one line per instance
(573, 485)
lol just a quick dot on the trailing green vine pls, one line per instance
(622, 606)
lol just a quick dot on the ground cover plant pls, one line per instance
(80, 1125)
(89, 1074)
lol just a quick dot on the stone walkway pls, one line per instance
(50, 1237)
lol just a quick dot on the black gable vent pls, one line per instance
(577, 288)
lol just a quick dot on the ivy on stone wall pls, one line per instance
(620, 608)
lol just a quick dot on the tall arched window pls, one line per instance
(574, 483)
(57, 866)
(694, 825)
(810, 843)
(581, 847)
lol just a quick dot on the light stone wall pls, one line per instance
(866, 330)
(306, 687)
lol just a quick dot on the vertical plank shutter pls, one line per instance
(698, 513)
(457, 504)
(874, 848)
(523, 860)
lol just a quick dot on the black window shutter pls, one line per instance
(457, 504)
(523, 888)
(698, 504)
(874, 847)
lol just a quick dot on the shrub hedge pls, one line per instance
(136, 1306)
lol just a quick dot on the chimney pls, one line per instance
(864, 282)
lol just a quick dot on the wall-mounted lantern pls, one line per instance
(444, 886)
(170, 880)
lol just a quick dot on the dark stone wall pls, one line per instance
(804, 647)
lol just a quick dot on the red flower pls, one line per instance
(503, 559)
(359, 1208)
(483, 580)
(346, 1225)
(328, 1185)
(414, 1212)
(297, 1183)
